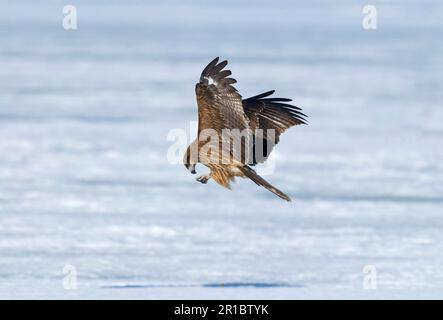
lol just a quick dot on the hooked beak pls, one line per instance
(191, 168)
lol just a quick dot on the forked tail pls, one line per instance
(251, 174)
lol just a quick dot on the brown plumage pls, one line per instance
(234, 134)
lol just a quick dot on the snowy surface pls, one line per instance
(84, 180)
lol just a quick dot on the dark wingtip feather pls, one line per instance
(217, 68)
(221, 74)
(299, 116)
(230, 80)
(277, 99)
(284, 105)
(215, 71)
(208, 69)
(262, 95)
(211, 64)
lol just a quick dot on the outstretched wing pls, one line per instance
(270, 113)
(218, 101)
(219, 104)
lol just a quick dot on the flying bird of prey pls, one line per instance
(222, 115)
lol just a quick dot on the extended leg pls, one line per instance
(204, 178)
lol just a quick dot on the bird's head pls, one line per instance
(189, 161)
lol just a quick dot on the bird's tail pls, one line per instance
(251, 174)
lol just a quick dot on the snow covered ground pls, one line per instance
(84, 181)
